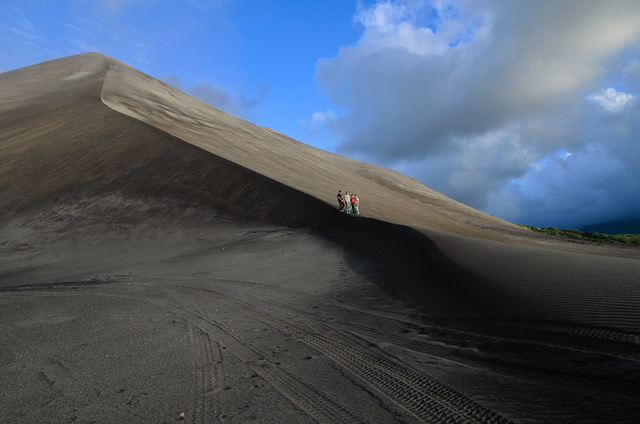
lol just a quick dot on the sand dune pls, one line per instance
(163, 261)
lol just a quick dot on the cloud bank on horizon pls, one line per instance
(525, 110)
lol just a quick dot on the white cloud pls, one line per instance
(401, 25)
(611, 100)
(25, 31)
(322, 117)
(319, 119)
(320, 126)
(469, 95)
(564, 154)
(384, 16)
(84, 47)
(22, 39)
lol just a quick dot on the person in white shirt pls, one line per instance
(347, 202)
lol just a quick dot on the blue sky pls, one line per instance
(527, 110)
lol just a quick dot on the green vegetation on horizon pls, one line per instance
(623, 239)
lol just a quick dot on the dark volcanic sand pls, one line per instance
(146, 280)
(151, 314)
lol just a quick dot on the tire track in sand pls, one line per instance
(418, 394)
(313, 402)
(210, 378)
(581, 338)
(206, 338)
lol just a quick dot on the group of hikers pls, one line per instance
(348, 203)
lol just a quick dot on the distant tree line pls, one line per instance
(623, 239)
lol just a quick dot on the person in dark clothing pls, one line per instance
(340, 201)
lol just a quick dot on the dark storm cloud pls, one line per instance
(598, 182)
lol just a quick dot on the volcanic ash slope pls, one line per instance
(161, 260)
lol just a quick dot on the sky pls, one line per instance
(527, 110)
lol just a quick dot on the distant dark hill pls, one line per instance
(616, 227)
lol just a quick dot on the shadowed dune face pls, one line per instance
(89, 125)
(161, 213)
(76, 147)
